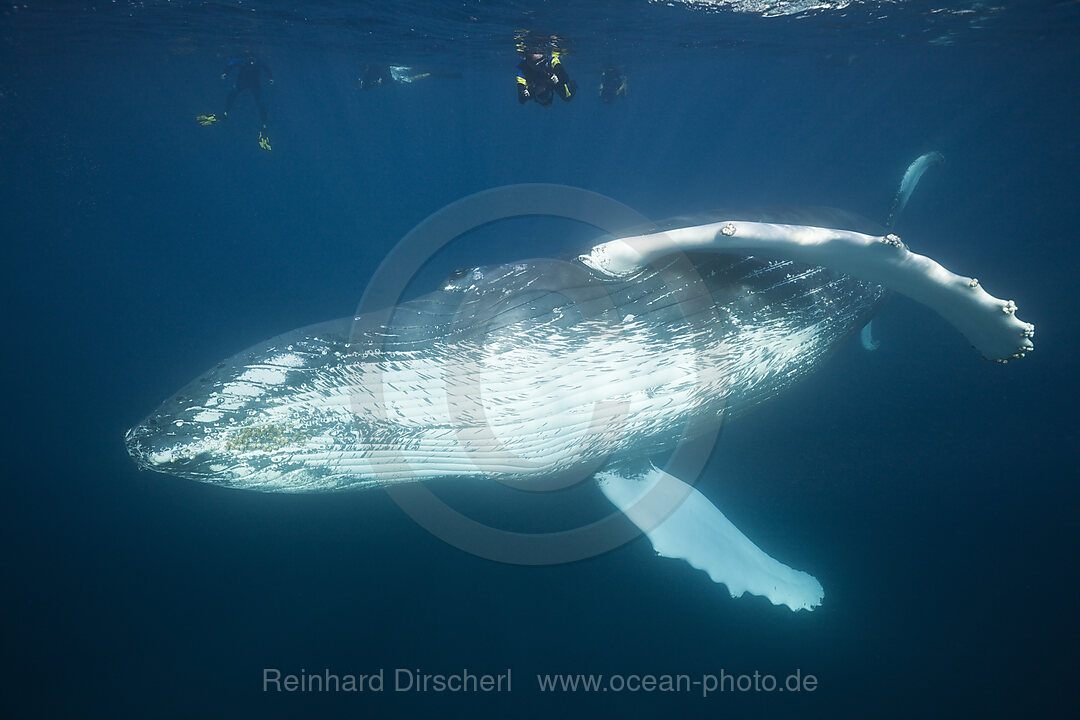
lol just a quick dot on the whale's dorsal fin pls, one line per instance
(682, 523)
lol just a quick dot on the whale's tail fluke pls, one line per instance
(680, 522)
(909, 182)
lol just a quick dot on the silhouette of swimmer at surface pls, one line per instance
(612, 84)
(249, 70)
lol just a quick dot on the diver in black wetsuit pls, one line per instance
(540, 77)
(612, 84)
(248, 71)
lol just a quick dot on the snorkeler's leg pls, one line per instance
(565, 87)
(257, 92)
(229, 102)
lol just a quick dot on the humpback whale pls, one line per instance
(590, 367)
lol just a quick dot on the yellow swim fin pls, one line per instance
(264, 141)
(206, 119)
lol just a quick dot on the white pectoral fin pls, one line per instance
(866, 337)
(989, 323)
(682, 523)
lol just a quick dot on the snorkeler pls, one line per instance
(540, 77)
(248, 72)
(612, 84)
(375, 75)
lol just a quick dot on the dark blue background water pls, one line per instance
(933, 493)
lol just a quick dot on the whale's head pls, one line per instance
(184, 438)
(163, 443)
(255, 421)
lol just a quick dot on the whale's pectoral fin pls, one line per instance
(866, 337)
(682, 523)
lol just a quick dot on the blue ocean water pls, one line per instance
(933, 493)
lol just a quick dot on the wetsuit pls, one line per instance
(247, 78)
(543, 78)
(612, 84)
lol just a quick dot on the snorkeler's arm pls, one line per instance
(522, 88)
(564, 86)
(561, 76)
